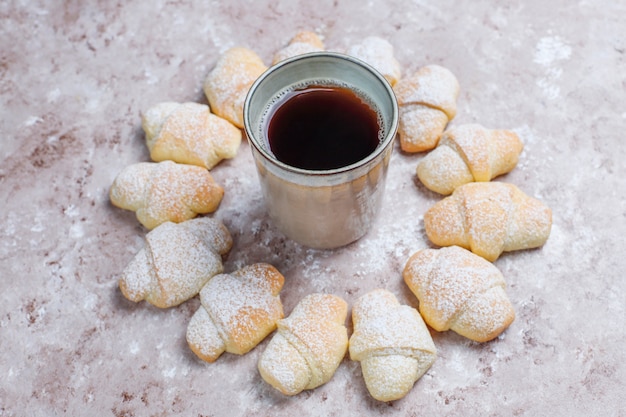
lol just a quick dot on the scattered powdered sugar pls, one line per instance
(489, 218)
(548, 51)
(473, 143)
(53, 95)
(189, 133)
(432, 85)
(458, 290)
(315, 334)
(165, 191)
(314, 322)
(71, 211)
(244, 305)
(203, 337)
(282, 366)
(32, 120)
(183, 262)
(469, 153)
(427, 102)
(420, 126)
(487, 208)
(444, 169)
(383, 326)
(378, 53)
(293, 50)
(485, 316)
(551, 49)
(138, 278)
(228, 83)
(76, 231)
(234, 301)
(134, 348)
(392, 342)
(153, 119)
(529, 139)
(304, 42)
(175, 263)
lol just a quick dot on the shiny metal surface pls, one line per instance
(325, 208)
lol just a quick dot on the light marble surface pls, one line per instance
(74, 78)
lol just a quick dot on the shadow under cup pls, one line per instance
(321, 208)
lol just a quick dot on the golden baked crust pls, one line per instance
(459, 291)
(165, 191)
(237, 311)
(176, 261)
(378, 53)
(188, 133)
(469, 153)
(303, 42)
(426, 103)
(227, 85)
(489, 218)
(392, 343)
(309, 345)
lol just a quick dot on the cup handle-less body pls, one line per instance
(322, 208)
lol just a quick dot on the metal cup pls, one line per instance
(321, 208)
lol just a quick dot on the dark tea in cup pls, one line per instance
(322, 127)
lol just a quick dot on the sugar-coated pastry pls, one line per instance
(238, 310)
(489, 218)
(378, 53)
(426, 103)
(303, 42)
(392, 343)
(308, 346)
(176, 261)
(227, 85)
(459, 291)
(165, 191)
(188, 133)
(468, 153)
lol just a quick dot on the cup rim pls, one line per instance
(389, 137)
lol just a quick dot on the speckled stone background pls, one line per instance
(74, 78)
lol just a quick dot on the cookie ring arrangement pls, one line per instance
(457, 286)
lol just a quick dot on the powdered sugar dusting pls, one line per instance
(177, 261)
(427, 102)
(378, 53)
(454, 288)
(165, 191)
(138, 278)
(383, 326)
(304, 42)
(293, 50)
(189, 133)
(203, 337)
(228, 83)
(433, 86)
(467, 153)
(549, 51)
(244, 305)
(80, 75)
(153, 119)
(315, 334)
(489, 218)
(392, 343)
(420, 127)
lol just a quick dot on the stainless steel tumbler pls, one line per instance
(321, 208)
